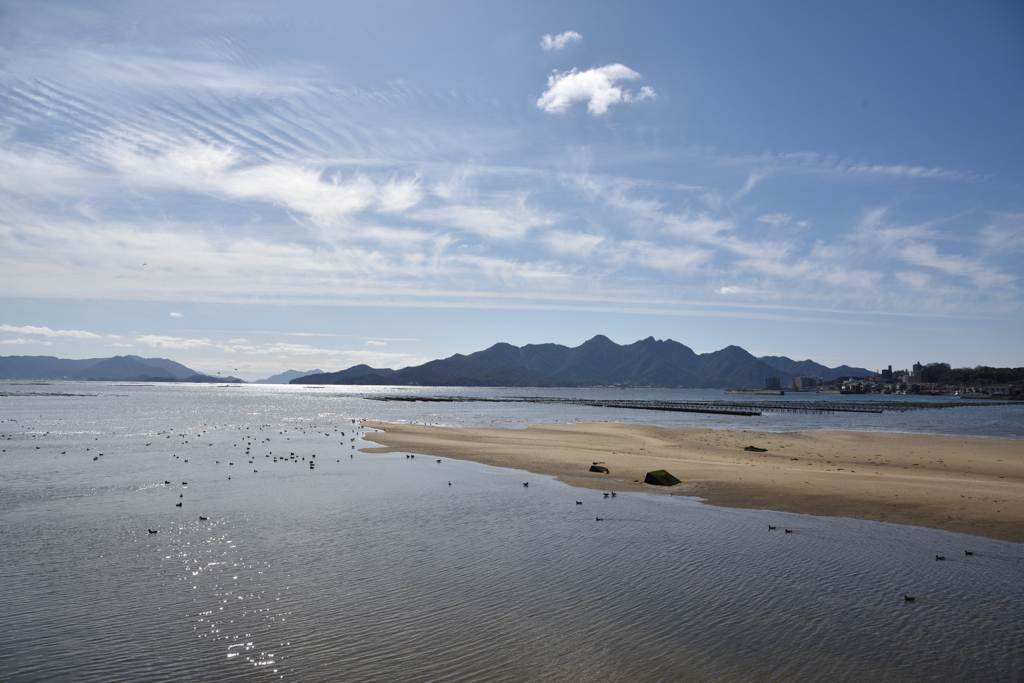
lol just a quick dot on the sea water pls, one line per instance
(387, 567)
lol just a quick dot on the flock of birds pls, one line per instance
(294, 458)
(249, 441)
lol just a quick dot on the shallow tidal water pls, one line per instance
(372, 567)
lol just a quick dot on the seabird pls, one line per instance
(152, 531)
(177, 505)
(439, 461)
(908, 598)
(968, 552)
(579, 502)
(772, 528)
(789, 531)
(613, 494)
(203, 519)
(606, 495)
(526, 483)
(939, 558)
(599, 519)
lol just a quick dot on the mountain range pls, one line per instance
(596, 362)
(287, 376)
(116, 369)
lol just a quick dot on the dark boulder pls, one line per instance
(599, 468)
(755, 449)
(660, 478)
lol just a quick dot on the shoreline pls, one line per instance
(970, 485)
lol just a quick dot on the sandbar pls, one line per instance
(964, 484)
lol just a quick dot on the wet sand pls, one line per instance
(963, 484)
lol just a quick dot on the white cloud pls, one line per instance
(1006, 234)
(375, 342)
(47, 332)
(699, 226)
(731, 289)
(212, 169)
(500, 223)
(399, 195)
(914, 279)
(22, 340)
(175, 315)
(162, 342)
(660, 257)
(596, 87)
(907, 171)
(561, 40)
(983, 275)
(775, 219)
(571, 242)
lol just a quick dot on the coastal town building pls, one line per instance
(772, 383)
(802, 383)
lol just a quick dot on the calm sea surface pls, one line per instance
(372, 567)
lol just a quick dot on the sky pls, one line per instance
(253, 187)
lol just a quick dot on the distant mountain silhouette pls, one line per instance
(808, 368)
(118, 368)
(354, 372)
(287, 376)
(596, 362)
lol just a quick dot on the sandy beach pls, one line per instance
(968, 485)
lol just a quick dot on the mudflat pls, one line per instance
(964, 484)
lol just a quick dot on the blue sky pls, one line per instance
(265, 186)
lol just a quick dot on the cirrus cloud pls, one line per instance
(30, 330)
(163, 342)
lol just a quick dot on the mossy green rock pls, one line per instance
(599, 468)
(660, 478)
